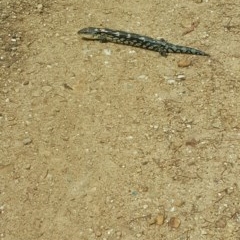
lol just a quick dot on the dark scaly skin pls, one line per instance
(136, 40)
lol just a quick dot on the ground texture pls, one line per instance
(104, 141)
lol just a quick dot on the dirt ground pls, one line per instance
(105, 141)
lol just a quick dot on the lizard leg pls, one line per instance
(102, 39)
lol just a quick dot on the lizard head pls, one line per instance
(89, 31)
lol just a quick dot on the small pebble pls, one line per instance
(138, 235)
(217, 124)
(178, 203)
(119, 234)
(143, 188)
(28, 166)
(26, 82)
(181, 77)
(46, 88)
(5, 90)
(40, 8)
(171, 81)
(145, 206)
(27, 141)
(143, 77)
(174, 222)
(221, 223)
(160, 219)
(98, 233)
(184, 63)
(107, 52)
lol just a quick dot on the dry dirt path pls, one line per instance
(103, 141)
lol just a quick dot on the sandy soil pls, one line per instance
(104, 141)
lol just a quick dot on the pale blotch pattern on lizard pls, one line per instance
(136, 40)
